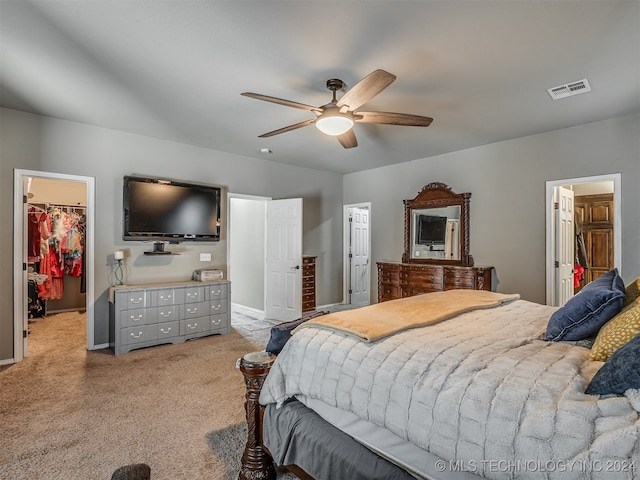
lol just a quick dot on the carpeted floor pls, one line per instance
(66, 413)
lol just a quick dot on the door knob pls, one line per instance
(297, 267)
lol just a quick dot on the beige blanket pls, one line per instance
(383, 319)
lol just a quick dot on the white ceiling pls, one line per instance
(174, 69)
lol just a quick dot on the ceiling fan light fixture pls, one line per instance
(334, 124)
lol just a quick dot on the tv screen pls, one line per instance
(168, 210)
(431, 230)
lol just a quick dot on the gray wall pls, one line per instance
(507, 183)
(39, 143)
(506, 179)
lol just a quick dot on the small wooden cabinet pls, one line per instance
(308, 284)
(147, 315)
(400, 280)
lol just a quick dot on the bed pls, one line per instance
(468, 391)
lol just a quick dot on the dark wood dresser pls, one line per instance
(308, 284)
(400, 280)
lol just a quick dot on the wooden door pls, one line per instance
(596, 212)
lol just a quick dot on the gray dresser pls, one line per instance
(147, 315)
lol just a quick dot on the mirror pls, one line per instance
(436, 227)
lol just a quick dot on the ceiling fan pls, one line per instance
(337, 117)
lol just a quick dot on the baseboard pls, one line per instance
(252, 312)
(101, 346)
(8, 361)
(64, 310)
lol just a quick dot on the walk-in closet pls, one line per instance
(56, 268)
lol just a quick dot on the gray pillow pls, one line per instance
(620, 373)
(585, 313)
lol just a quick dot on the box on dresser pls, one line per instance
(147, 315)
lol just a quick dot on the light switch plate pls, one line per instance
(205, 257)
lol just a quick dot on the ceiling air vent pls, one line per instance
(574, 88)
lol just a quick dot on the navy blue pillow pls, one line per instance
(620, 373)
(280, 334)
(585, 313)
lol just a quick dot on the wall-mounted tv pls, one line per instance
(170, 211)
(431, 230)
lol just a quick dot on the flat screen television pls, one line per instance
(431, 230)
(172, 211)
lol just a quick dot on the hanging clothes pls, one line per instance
(34, 215)
(61, 249)
(580, 263)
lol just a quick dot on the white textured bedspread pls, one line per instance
(479, 390)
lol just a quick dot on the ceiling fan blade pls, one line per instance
(288, 129)
(348, 139)
(390, 118)
(366, 89)
(281, 101)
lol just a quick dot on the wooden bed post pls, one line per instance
(256, 463)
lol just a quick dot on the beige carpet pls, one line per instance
(66, 413)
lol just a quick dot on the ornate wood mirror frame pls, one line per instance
(434, 201)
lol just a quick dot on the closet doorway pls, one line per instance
(597, 203)
(61, 206)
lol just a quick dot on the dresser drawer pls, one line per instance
(138, 316)
(388, 292)
(217, 307)
(218, 291)
(166, 297)
(194, 310)
(194, 294)
(463, 282)
(168, 330)
(168, 313)
(138, 334)
(218, 323)
(134, 299)
(193, 326)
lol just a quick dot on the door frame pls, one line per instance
(346, 271)
(550, 224)
(19, 249)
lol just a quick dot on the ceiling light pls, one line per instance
(332, 122)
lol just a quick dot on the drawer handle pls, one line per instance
(217, 292)
(165, 315)
(134, 319)
(162, 330)
(216, 322)
(192, 295)
(136, 301)
(192, 311)
(136, 336)
(216, 307)
(195, 325)
(168, 297)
